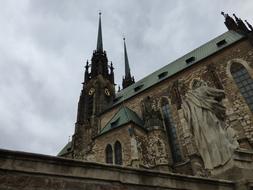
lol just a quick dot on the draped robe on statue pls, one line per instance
(205, 114)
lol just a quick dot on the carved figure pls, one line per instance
(151, 113)
(205, 115)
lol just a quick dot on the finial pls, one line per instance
(123, 36)
(235, 16)
(99, 13)
(249, 25)
(111, 67)
(87, 65)
(224, 14)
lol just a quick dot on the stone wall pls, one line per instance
(153, 149)
(121, 135)
(27, 171)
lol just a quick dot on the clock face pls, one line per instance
(91, 91)
(107, 92)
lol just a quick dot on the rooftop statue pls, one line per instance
(205, 115)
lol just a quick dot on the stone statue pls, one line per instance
(151, 112)
(205, 115)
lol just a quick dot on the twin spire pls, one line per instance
(128, 79)
(127, 68)
(99, 41)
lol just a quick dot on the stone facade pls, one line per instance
(146, 140)
(238, 113)
(159, 144)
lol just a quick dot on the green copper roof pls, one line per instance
(178, 65)
(123, 116)
(66, 149)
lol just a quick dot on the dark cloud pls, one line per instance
(44, 45)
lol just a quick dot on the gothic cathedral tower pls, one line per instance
(97, 94)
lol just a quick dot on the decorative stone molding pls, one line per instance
(241, 61)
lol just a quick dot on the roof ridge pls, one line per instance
(173, 67)
(126, 112)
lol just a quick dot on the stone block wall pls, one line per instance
(27, 171)
(121, 135)
(239, 116)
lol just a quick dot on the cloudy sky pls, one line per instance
(44, 45)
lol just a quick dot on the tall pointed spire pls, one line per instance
(128, 80)
(127, 68)
(99, 61)
(99, 41)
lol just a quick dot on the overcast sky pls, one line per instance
(44, 45)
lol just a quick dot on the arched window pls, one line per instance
(118, 153)
(108, 154)
(244, 82)
(171, 131)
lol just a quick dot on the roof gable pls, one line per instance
(123, 116)
(66, 149)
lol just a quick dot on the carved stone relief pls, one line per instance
(151, 112)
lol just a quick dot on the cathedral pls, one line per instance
(189, 117)
(188, 125)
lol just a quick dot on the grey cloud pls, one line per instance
(44, 45)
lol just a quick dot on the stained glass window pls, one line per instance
(171, 131)
(244, 82)
(108, 152)
(118, 153)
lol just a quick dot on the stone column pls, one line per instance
(158, 148)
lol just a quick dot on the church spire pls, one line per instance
(99, 61)
(128, 80)
(99, 41)
(127, 68)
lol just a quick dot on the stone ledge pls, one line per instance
(239, 167)
(51, 166)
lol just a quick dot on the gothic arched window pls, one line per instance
(171, 131)
(118, 153)
(244, 82)
(108, 154)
